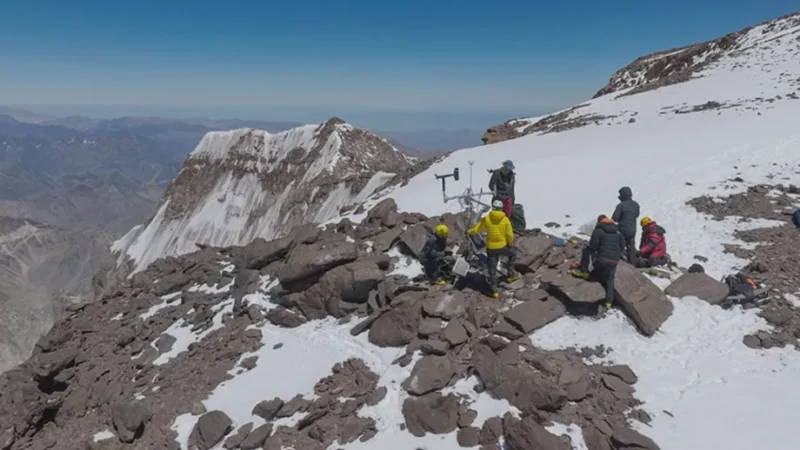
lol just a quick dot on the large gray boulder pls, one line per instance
(306, 261)
(645, 303)
(698, 285)
(534, 314)
(532, 251)
(342, 289)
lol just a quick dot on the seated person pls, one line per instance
(653, 246)
(796, 218)
(436, 259)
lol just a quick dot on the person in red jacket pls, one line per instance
(653, 246)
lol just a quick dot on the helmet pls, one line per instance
(497, 204)
(645, 221)
(441, 230)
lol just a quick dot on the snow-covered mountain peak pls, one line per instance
(744, 71)
(241, 184)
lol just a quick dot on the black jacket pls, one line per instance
(434, 248)
(627, 213)
(502, 183)
(607, 242)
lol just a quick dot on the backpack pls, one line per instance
(518, 218)
(796, 218)
(741, 285)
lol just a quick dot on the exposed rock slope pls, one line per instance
(144, 365)
(44, 270)
(243, 184)
(753, 49)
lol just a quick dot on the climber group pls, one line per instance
(613, 239)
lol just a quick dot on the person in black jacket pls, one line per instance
(626, 215)
(605, 247)
(502, 184)
(436, 258)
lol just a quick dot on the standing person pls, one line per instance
(626, 215)
(796, 218)
(499, 237)
(605, 248)
(502, 183)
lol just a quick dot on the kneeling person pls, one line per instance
(499, 237)
(606, 247)
(438, 262)
(653, 247)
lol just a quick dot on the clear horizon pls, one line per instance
(362, 59)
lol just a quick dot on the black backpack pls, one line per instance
(518, 218)
(741, 285)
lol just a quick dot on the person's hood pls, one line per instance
(608, 226)
(625, 193)
(653, 227)
(496, 216)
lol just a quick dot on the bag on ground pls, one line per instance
(518, 218)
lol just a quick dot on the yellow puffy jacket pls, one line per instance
(499, 233)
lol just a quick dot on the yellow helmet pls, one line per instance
(645, 221)
(441, 230)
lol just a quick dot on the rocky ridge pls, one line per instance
(114, 373)
(243, 184)
(738, 50)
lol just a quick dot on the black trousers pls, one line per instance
(650, 262)
(603, 272)
(439, 267)
(630, 247)
(493, 257)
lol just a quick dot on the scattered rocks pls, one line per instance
(209, 430)
(129, 421)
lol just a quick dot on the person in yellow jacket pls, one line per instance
(499, 237)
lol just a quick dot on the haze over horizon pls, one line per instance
(284, 63)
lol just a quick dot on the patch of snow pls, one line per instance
(405, 265)
(182, 332)
(793, 299)
(153, 310)
(103, 435)
(117, 317)
(696, 377)
(573, 431)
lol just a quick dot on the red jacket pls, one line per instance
(653, 243)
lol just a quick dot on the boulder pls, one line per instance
(431, 413)
(534, 314)
(645, 303)
(414, 238)
(306, 261)
(627, 438)
(575, 291)
(348, 283)
(430, 373)
(283, 317)
(268, 409)
(698, 285)
(260, 253)
(129, 421)
(445, 304)
(383, 214)
(399, 325)
(526, 434)
(209, 430)
(256, 438)
(532, 250)
(523, 387)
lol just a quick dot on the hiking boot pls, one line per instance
(439, 282)
(579, 273)
(608, 305)
(495, 294)
(514, 276)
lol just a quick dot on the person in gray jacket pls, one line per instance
(626, 215)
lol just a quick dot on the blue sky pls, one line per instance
(468, 56)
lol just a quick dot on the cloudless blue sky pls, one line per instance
(467, 56)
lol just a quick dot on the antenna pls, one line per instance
(469, 200)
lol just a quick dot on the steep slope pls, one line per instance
(730, 53)
(44, 269)
(243, 184)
